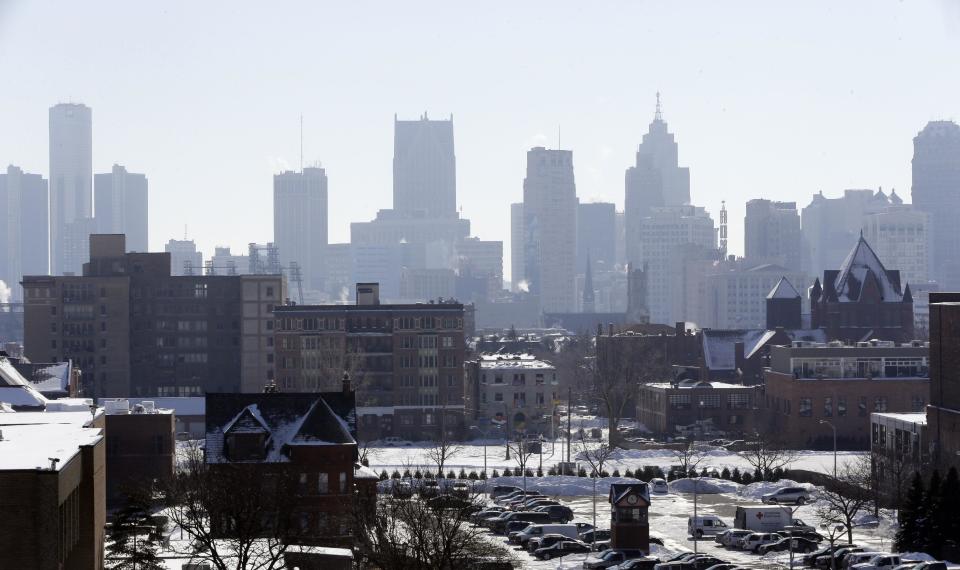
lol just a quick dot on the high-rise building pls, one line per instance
(899, 234)
(596, 235)
(936, 191)
(662, 235)
(24, 231)
(772, 233)
(184, 257)
(300, 221)
(830, 225)
(225, 262)
(424, 168)
(135, 330)
(481, 259)
(120, 206)
(516, 246)
(71, 176)
(655, 180)
(550, 228)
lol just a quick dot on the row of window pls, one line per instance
(806, 406)
(519, 398)
(367, 322)
(707, 401)
(322, 485)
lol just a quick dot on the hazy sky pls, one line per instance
(766, 99)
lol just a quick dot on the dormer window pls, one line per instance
(246, 437)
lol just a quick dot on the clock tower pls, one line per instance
(629, 526)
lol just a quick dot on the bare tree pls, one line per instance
(622, 363)
(235, 516)
(849, 495)
(443, 449)
(521, 452)
(766, 454)
(688, 457)
(596, 456)
(402, 534)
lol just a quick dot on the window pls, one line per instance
(450, 380)
(447, 342)
(828, 407)
(429, 419)
(270, 292)
(805, 407)
(303, 483)
(498, 396)
(679, 401)
(323, 483)
(343, 482)
(880, 404)
(738, 401)
(917, 403)
(863, 406)
(841, 406)
(483, 398)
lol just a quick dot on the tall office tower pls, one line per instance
(772, 233)
(300, 221)
(481, 261)
(662, 235)
(120, 206)
(184, 257)
(24, 232)
(936, 191)
(424, 168)
(550, 228)
(516, 247)
(71, 196)
(596, 235)
(899, 235)
(829, 223)
(655, 180)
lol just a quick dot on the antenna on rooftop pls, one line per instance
(658, 115)
(301, 143)
(723, 217)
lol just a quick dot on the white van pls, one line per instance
(538, 530)
(705, 525)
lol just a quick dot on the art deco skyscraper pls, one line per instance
(424, 168)
(550, 228)
(936, 191)
(300, 221)
(655, 180)
(71, 196)
(120, 198)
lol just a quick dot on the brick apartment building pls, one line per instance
(516, 391)
(406, 361)
(52, 491)
(141, 447)
(311, 434)
(135, 330)
(943, 413)
(843, 385)
(697, 406)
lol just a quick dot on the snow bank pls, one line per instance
(757, 490)
(704, 485)
(564, 485)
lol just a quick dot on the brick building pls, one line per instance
(311, 434)
(943, 413)
(135, 330)
(862, 300)
(406, 361)
(52, 493)
(843, 385)
(698, 407)
(517, 391)
(141, 447)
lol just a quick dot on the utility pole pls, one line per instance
(569, 419)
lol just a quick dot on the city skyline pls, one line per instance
(778, 122)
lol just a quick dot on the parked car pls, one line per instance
(879, 562)
(394, 441)
(723, 566)
(789, 543)
(500, 525)
(501, 490)
(583, 527)
(460, 489)
(858, 557)
(658, 485)
(611, 558)
(705, 525)
(547, 540)
(448, 502)
(478, 516)
(538, 530)
(595, 535)
(558, 513)
(731, 537)
(931, 565)
(753, 542)
(402, 489)
(828, 560)
(811, 559)
(429, 489)
(561, 549)
(811, 535)
(906, 565)
(792, 495)
(695, 562)
(645, 563)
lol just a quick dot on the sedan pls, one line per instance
(611, 558)
(645, 563)
(561, 549)
(786, 544)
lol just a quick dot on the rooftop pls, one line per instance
(919, 418)
(511, 361)
(29, 447)
(689, 384)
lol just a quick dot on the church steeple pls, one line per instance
(589, 304)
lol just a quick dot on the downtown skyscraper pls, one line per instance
(120, 199)
(424, 168)
(936, 191)
(550, 228)
(300, 221)
(24, 231)
(655, 180)
(71, 195)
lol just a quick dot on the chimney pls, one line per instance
(679, 328)
(346, 382)
(609, 329)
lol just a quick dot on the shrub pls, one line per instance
(552, 471)
(736, 477)
(604, 473)
(626, 473)
(406, 473)
(417, 474)
(539, 472)
(671, 475)
(451, 475)
(507, 472)
(703, 472)
(778, 473)
(746, 478)
(483, 475)
(725, 474)
(439, 474)
(463, 473)
(494, 475)
(384, 476)
(582, 472)
(473, 476)
(693, 473)
(528, 473)
(757, 475)
(365, 462)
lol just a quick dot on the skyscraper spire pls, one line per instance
(658, 115)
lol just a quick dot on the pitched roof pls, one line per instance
(619, 490)
(862, 269)
(783, 290)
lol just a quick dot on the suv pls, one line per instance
(501, 490)
(753, 542)
(795, 495)
(558, 513)
(879, 562)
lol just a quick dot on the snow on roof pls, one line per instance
(75, 418)
(510, 361)
(32, 446)
(719, 346)
(69, 405)
(52, 378)
(364, 472)
(919, 418)
(22, 397)
(861, 265)
(783, 290)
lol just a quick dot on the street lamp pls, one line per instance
(834, 428)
